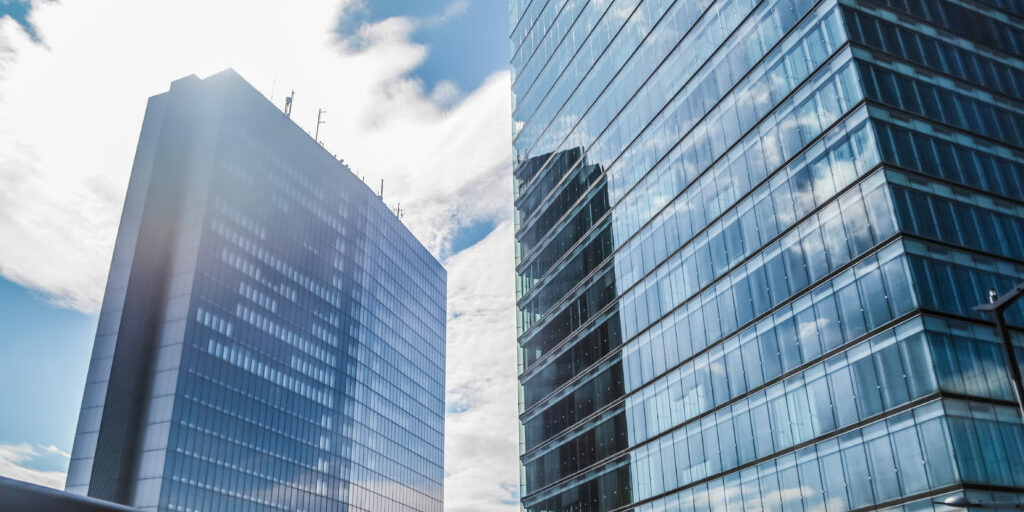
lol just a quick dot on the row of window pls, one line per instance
(677, 53)
(280, 332)
(526, 26)
(257, 297)
(574, 404)
(789, 64)
(232, 390)
(374, 490)
(834, 313)
(575, 65)
(290, 449)
(245, 360)
(234, 215)
(201, 483)
(230, 471)
(281, 435)
(721, 442)
(593, 248)
(926, 152)
(990, 229)
(936, 53)
(844, 230)
(830, 94)
(592, 210)
(968, 359)
(626, 26)
(422, 287)
(963, 110)
(957, 282)
(1012, 6)
(909, 453)
(563, 25)
(773, 208)
(185, 496)
(710, 95)
(808, 45)
(906, 454)
(373, 358)
(829, 165)
(396, 406)
(389, 358)
(879, 374)
(579, 452)
(284, 259)
(542, 221)
(557, 165)
(725, 374)
(606, 131)
(579, 356)
(849, 301)
(580, 311)
(709, 115)
(964, 22)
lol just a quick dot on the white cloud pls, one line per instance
(453, 10)
(482, 441)
(14, 459)
(70, 113)
(52, 449)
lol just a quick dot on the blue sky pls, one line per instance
(452, 57)
(18, 11)
(44, 355)
(48, 328)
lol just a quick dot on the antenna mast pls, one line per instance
(319, 113)
(288, 104)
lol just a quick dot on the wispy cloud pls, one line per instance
(70, 112)
(15, 460)
(71, 109)
(51, 449)
(454, 9)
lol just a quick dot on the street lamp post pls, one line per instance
(996, 307)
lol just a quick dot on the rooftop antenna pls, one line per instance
(398, 211)
(381, 195)
(288, 104)
(319, 114)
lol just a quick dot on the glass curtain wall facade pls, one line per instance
(271, 338)
(750, 238)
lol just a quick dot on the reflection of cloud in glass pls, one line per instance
(811, 329)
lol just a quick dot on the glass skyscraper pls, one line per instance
(271, 337)
(751, 235)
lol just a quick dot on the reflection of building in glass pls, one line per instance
(751, 235)
(271, 338)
